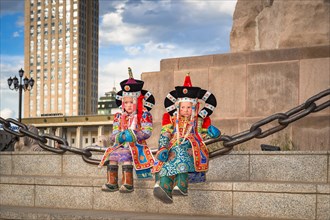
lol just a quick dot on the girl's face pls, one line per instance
(185, 109)
(128, 103)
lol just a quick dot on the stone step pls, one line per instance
(11, 212)
(283, 185)
(214, 198)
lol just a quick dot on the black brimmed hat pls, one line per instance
(210, 103)
(189, 93)
(133, 88)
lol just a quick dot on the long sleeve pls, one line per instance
(116, 127)
(207, 130)
(146, 126)
(203, 125)
(166, 132)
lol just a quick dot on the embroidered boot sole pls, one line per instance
(160, 194)
(178, 192)
(124, 189)
(109, 188)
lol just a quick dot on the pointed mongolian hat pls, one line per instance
(189, 93)
(133, 88)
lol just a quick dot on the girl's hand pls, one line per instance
(213, 132)
(129, 135)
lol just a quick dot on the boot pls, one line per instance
(181, 185)
(163, 189)
(127, 179)
(112, 179)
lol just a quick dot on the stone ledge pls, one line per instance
(244, 199)
(262, 56)
(241, 186)
(275, 187)
(14, 212)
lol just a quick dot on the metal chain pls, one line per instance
(255, 131)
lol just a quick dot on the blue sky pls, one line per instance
(135, 33)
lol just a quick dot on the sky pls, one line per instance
(132, 33)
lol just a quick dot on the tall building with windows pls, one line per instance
(61, 54)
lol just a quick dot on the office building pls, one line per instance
(61, 54)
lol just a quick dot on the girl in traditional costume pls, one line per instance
(182, 156)
(131, 127)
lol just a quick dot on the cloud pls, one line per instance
(114, 72)
(214, 8)
(20, 21)
(143, 58)
(16, 34)
(203, 25)
(137, 34)
(118, 32)
(9, 67)
(150, 49)
(11, 7)
(7, 113)
(134, 50)
(146, 32)
(106, 6)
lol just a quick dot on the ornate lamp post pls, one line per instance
(26, 85)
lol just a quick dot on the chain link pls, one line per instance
(255, 131)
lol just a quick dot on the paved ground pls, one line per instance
(10, 212)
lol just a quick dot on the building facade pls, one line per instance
(107, 104)
(79, 131)
(61, 55)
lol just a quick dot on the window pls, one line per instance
(67, 108)
(59, 89)
(46, 13)
(53, 12)
(59, 74)
(31, 104)
(45, 90)
(52, 74)
(46, 76)
(52, 104)
(52, 59)
(59, 103)
(45, 104)
(60, 12)
(46, 57)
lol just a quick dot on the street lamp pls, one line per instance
(26, 85)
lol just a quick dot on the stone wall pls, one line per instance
(273, 24)
(276, 185)
(250, 86)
